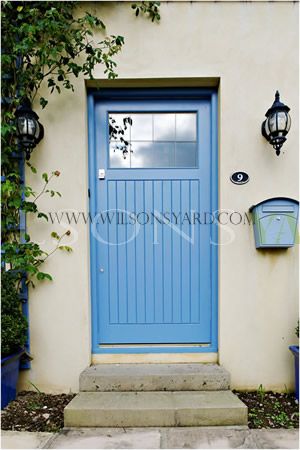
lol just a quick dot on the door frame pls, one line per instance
(94, 95)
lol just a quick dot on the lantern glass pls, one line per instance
(278, 123)
(266, 128)
(22, 126)
(272, 123)
(288, 123)
(37, 131)
(31, 126)
(281, 121)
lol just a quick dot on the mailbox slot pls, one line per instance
(277, 208)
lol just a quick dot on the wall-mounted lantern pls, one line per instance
(277, 124)
(29, 130)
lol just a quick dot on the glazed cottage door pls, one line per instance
(152, 282)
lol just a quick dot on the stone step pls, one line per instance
(154, 377)
(155, 409)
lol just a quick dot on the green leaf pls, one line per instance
(55, 235)
(51, 82)
(43, 102)
(45, 177)
(40, 276)
(48, 276)
(65, 248)
(43, 215)
(33, 169)
(43, 276)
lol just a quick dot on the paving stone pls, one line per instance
(24, 439)
(277, 438)
(155, 438)
(179, 437)
(207, 437)
(108, 438)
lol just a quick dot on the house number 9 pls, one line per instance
(239, 178)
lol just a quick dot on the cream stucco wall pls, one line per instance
(252, 49)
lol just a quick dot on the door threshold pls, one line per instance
(153, 358)
(147, 346)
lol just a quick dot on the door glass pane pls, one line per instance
(119, 127)
(152, 154)
(147, 140)
(186, 154)
(164, 127)
(141, 129)
(118, 157)
(186, 127)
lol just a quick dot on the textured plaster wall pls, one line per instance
(258, 299)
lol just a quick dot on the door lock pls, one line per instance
(101, 174)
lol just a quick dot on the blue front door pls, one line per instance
(153, 244)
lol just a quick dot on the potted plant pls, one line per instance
(295, 350)
(13, 337)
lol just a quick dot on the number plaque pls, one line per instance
(239, 178)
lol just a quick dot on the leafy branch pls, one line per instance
(43, 44)
(151, 9)
(28, 257)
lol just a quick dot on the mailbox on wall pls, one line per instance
(275, 222)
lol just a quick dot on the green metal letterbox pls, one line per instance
(275, 222)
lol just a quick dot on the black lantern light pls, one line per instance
(29, 130)
(277, 124)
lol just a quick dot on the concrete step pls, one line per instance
(155, 409)
(154, 377)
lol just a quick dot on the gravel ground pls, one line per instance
(270, 410)
(33, 411)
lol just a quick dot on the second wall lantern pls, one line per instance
(277, 124)
(29, 130)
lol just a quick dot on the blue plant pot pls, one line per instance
(9, 377)
(295, 350)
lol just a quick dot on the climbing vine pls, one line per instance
(43, 44)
